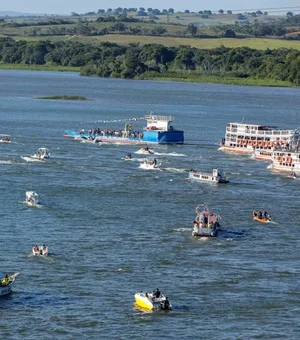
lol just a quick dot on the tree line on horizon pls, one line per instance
(150, 60)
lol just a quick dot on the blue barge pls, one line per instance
(158, 131)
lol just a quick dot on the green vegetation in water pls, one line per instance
(63, 97)
(193, 78)
(22, 66)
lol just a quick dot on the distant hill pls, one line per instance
(19, 14)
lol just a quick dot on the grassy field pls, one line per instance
(255, 43)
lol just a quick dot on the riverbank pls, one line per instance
(190, 78)
(55, 68)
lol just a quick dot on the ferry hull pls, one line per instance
(236, 150)
(150, 137)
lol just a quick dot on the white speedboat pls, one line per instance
(5, 139)
(40, 250)
(40, 155)
(6, 283)
(206, 223)
(149, 301)
(32, 198)
(150, 164)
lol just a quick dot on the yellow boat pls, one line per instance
(147, 301)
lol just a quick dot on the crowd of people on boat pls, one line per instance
(112, 133)
(263, 214)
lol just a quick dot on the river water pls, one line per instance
(114, 229)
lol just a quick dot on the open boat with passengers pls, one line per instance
(5, 139)
(152, 301)
(206, 223)
(7, 283)
(32, 199)
(40, 155)
(145, 151)
(41, 250)
(243, 138)
(261, 216)
(159, 130)
(215, 177)
(150, 164)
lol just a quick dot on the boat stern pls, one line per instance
(143, 302)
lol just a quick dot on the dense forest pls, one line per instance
(144, 61)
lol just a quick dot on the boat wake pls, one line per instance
(175, 170)
(182, 229)
(5, 162)
(134, 159)
(38, 205)
(147, 167)
(49, 258)
(31, 159)
(174, 154)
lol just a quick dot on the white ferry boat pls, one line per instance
(243, 138)
(215, 177)
(266, 155)
(286, 161)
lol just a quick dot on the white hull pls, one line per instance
(6, 290)
(149, 167)
(286, 161)
(31, 159)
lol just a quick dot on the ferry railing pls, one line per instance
(155, 117)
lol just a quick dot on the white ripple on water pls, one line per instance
(173, 154)
(182, 229)
(175, 170)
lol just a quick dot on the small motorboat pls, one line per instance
(5, 139)
(128, 156)
(206, 223)
(293, 176)
(40, 250)
(216, 177)
(149, 301)
(150, 164)
(145, 151)
(262, 217)
(32, 198)
(40, 155)
(7, 283)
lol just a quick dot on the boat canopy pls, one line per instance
(43, 151)
(31, 194)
